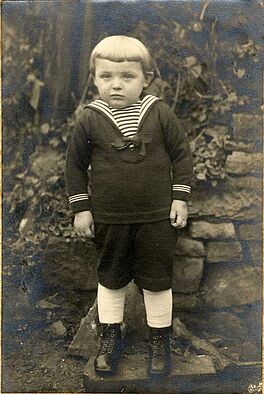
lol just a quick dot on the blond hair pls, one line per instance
(120, 49)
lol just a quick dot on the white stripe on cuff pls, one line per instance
(182, 188)
(78, 197)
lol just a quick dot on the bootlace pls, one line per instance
(158, 347)
(108, 341)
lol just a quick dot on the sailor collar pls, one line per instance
(101, 106)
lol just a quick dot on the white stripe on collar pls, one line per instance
(102, 106)
(146, 103)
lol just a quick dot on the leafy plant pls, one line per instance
(190, 61)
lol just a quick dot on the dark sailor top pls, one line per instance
(140, 161)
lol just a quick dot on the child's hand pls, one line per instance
(178, 213)
(84, 224)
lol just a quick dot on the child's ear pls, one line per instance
(148, 79)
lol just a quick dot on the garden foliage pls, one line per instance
(197, 72)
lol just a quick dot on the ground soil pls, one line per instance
(34, 358)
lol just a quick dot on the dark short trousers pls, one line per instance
(140, 251)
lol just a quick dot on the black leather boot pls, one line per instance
(159, 352)
(108, 357)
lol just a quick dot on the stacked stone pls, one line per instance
(218, 262)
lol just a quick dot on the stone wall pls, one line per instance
(219, 254)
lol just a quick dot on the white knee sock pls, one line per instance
(158, 306)
(110, 304)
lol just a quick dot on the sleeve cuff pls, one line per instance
(181, 192)
(79, 202)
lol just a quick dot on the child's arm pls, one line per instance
(177, 146)
(76, 176)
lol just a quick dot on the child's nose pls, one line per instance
(117, 83)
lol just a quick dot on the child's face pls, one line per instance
(119, 83)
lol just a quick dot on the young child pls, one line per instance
(141, 169)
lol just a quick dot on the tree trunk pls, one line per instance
(64, 40)
(86, 47)
(58, 58)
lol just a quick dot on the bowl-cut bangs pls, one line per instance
(121, 49)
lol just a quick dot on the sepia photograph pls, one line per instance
(122, 120)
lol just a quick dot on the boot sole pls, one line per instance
(105, 373)
(156, 375)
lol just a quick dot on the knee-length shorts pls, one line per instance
(140, 251)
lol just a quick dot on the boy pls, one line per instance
(141, 170)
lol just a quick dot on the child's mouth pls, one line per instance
(117, 96)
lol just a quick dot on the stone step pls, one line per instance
(132, 375)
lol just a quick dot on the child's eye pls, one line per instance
(106, 76)
(128, 77)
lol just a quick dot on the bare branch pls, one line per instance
(177, 92)
(85, 91)
(223, 86)
(204, 9)
(198, 136)
(157, 70)
(201, 95)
